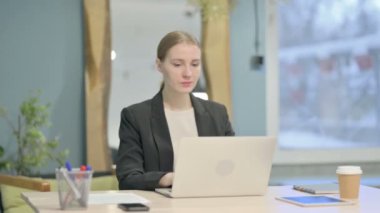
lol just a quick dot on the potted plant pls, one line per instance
(33, 149)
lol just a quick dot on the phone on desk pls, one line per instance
(133, 207)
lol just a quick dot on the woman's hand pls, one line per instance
(166, 180)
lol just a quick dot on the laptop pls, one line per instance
(222, 166)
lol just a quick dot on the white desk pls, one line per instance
(368, 202)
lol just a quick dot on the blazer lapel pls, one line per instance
(205, 124)
(161, 134)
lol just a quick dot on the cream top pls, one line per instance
(181, 124)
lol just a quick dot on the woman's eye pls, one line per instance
(195, 65)
(176, 65)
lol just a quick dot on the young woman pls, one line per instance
(151, 130)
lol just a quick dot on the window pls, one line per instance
(328, 55)
(328, 79)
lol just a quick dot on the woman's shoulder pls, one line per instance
(210, 104)
(141, 107)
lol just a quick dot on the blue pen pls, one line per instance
(68, 166)
(88, 168)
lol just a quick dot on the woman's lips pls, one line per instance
(186, 83)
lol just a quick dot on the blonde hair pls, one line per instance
(173, 38)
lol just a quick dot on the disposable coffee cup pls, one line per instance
(349, 181)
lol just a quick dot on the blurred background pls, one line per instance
(320, 64)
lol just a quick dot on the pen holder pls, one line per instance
(73, 188)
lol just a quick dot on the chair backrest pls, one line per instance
(25, 182)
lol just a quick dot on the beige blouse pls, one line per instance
(181, 124)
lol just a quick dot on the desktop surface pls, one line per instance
(368, 202)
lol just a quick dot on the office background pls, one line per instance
(41, 47)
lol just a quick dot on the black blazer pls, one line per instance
(145, 151)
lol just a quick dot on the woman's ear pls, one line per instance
(158, 65)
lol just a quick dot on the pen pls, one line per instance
(68, 166)
(83, 168)
(72, 186)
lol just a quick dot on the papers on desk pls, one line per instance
(115, 198)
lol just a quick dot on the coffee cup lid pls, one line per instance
(349, 170)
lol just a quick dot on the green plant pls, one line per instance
(33, 150)
(3, 163)
(213, 9)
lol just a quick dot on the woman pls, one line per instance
(150, 131)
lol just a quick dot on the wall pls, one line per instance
(248, 85)
(41, 47)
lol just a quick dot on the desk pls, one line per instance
(369, 202)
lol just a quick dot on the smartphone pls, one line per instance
(133, 207)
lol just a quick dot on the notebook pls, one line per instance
(222, 166)
(328, 188)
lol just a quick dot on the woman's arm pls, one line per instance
(130, 158)
(228, 127)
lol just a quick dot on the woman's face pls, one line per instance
(181, 67)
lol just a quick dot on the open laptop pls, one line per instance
(222, 166)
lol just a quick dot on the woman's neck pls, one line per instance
(176, 101)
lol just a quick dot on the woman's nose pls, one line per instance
(187, 71)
